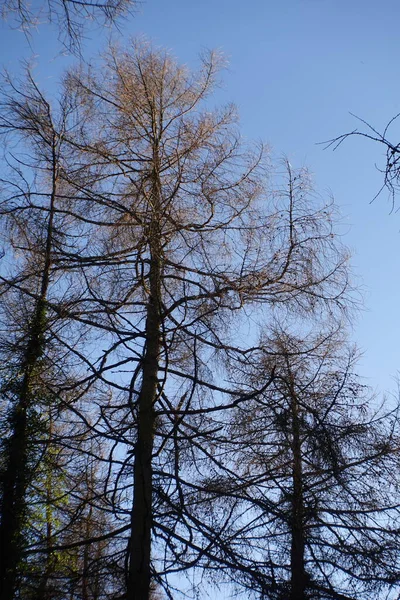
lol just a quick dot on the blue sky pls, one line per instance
(296, 70)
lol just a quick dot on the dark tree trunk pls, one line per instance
(13, 504)
(139, 576)
(16, 474)
(297, 566)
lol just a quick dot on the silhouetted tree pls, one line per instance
(314, 471)
(188, 236)
(391, 167)
(166, 242)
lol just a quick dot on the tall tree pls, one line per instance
(320, 508)
(170, 243)
(34, 363)
(187, 238)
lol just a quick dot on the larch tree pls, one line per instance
(170, 241)
(320, 509)
(185, 238)
(35, 363)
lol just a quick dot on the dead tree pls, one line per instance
(34, 362)
(170, 243)
(318, 460)
(187, 236)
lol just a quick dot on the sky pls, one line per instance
(297, 69)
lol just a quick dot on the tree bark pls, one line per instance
(139, 576)
(297, 566)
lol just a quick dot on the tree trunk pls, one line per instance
(16, 475)
(297, 566)
(139, 576)
(13, 505)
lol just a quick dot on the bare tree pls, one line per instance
(314, 471)
(71, 17)
(35, 365)
(391, 165)
(170, 243)
(187, 237)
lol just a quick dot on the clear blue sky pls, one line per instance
(296, 70)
